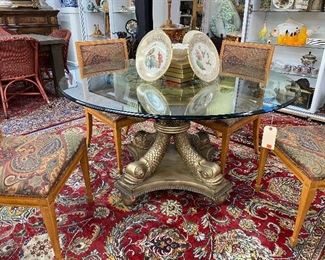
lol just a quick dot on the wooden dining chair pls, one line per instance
(248, 61)
(19, 62)
(302, 150)
(33, 170)
(103, 57)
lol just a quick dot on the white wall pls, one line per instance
(160, 12)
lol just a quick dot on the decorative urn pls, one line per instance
(308, 59)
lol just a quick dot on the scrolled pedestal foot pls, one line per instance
(207, 172)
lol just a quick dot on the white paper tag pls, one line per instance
(269, 136)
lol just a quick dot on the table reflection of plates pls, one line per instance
(152, 100)
(203, 55)
(283, 4)
(154, 55)
(201, 100)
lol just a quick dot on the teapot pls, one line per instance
(308, 59)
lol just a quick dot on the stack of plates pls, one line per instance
(179, 72)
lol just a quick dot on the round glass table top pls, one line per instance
(125, 93)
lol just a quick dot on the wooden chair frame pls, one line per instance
(116, 125)
(81, 64)
(226, 131)
(309, 187)
(46, 204)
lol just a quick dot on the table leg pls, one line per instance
(57, 64)
(161, 165)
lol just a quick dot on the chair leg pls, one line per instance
(89, 127)
(224, 151)
(127, 128)
(118, 147)
(256, 134)
(307, 196)
(49, 217)
(84, 163)
(3, 101)
(41, 90)
(261, 166)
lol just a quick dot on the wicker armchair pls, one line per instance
(19, 62)
(4, 31)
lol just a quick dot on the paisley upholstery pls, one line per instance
(31, 165)
(230, 121)
(306, 147)
(113, 116)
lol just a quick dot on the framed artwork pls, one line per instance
(103, 56)
(249, 61)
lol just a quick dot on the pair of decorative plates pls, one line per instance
(154, 102)
(154, 55)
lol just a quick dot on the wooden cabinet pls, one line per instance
(29, 20)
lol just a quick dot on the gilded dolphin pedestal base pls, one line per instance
(181, 164)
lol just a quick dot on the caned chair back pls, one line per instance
(101, 56)
(19, 57)
(246, 60)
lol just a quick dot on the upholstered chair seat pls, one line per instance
(35, 164)
(306, 147)
(33, 170)
(302, 150)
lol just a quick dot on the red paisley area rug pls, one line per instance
(169, 224)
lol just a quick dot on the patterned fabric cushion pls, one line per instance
(113, 116)
(35, 165)
(306, 147)
(230, 121)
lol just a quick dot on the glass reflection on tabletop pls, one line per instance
(124, 92)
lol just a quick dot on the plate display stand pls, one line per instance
(287, 59)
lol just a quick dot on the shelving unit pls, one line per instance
(191, 13)
(254, 19)
(110, 21)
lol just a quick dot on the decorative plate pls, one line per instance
(203, 56)
(154, 55)
(283, 4)
(201, 100)
(131, 26)
(187, 37)
(152, 100)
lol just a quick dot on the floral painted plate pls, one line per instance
(154, 55)
(152, 100)
(283, 4)
(200, 102)
(203, 56)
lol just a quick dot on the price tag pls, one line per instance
(269, 136)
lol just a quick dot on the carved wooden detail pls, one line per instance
(38, 21)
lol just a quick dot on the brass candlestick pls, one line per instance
(174, 31)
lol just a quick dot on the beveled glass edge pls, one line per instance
(181, 117)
